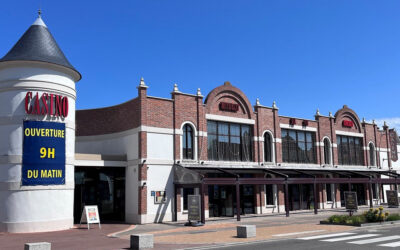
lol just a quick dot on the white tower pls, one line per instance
(37, 99)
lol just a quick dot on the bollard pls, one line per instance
(140, 241)
(246, 231)
(38, 246)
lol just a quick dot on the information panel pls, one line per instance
(43, 160)
(392, 199)
(194, 208)
(350, 199)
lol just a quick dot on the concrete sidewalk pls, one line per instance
(175, 235)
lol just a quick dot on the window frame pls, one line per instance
(229, 135)
(271, 145)
(290, 149)
(346, 147)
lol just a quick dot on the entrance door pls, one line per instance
(301, 197)
(104, 187)
(220, 200)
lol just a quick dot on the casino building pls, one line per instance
(139, 160)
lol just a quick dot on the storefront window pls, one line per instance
(298, 146)
(350, 150)
(229, 141)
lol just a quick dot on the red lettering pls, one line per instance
(46, 104)
(51, 104)
(65, 106)
(58, 106)
(36, 106)
(232, 107)
(348, 124)
(45, 109)
(28, 108)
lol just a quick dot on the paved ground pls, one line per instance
(386, 237)
(177, 236)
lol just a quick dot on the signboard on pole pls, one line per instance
(90, 215)
(392, 198)
(194, 210)
(350, 199)
(43, 159)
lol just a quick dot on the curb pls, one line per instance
(372, 224)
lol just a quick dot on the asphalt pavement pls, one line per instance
(380, 237)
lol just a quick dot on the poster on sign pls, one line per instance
(43, 159)
(90, 215)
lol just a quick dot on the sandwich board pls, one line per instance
(90, 215)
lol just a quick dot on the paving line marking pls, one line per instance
(296, 233)
(324, 236)
(380, 239)
(351, 237)
(393, 244)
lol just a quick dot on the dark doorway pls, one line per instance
(104, 187)
(222, 200)
(301, 197)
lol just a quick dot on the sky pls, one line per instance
(303, 54)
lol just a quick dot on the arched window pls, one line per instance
(372, 154)
(187, 142)
(327, 151)
(267, 147)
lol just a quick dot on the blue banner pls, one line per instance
(43, 160)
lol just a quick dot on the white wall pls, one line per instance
(33, 208)
(160, 146)
(160, 178)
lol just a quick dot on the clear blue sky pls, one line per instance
(303, 54)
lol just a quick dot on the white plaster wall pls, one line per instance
(160, 178)
(33, 208)
(160, 146)
(117, 144)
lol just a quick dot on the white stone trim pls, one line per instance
(230, 119)
(334, 145)
(347, 133)
(99, 163)
(278, 140)
(195, 142)
(203, 133)
(297, 127)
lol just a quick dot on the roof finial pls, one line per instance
(142, 84)
(317, 113)
(363, 120)
(258, 102)
(274, 105)
(330, 114)
(176, 90)
(199, 92)
(39, 12)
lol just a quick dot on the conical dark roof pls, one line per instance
(37, 44)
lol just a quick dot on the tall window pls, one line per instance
(327, 151)
(267, 147)
(187, 142)
(372, 155)
(350, 150)
(229, 141)
(298, 146)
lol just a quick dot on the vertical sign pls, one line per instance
(43, 160)
(350, 199)
(194, 208)
(392, 198)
